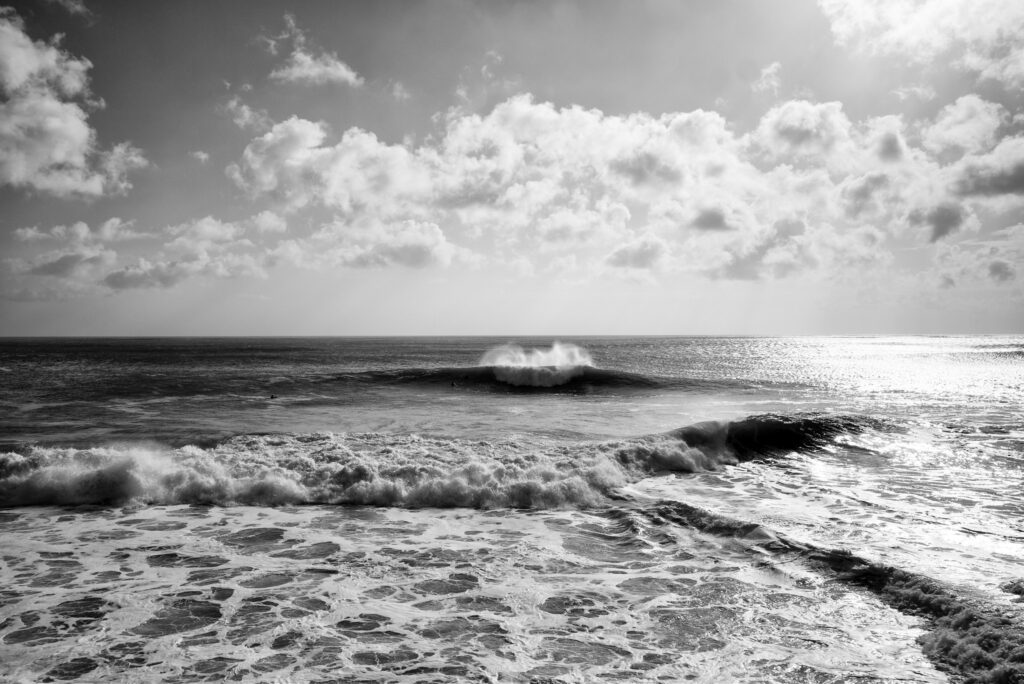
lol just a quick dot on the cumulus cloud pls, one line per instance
(408, 243)
(942, 219)
(710, 219)
(200, 156)
(46, 142)
(802, 131)
(968, 125)
(305, 65)
(985, 37)
(553, 188)
(268, 222)
(535, 181)
(999, 172)
(861, 194)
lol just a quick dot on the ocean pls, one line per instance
(671, 509)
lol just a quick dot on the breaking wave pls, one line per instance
(395, 470)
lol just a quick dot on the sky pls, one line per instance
(460, 167)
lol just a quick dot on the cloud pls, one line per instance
(999, 172)
(531, 181)
(200, 156)
(409, 243)
(922, 92)
(79, 233)
(400, 92)
(985, 37)
(73, 7)
(302, 67)
(65, 265)
(46, 142)
(942, 219)
(204, 247)
(968, 126)
(305, 66)
(710, 219)
(269, 222)
(146, 274)
(546, 182)
(861, 193)
(769, 80)
(802, 131)
(1001, 271)
(247, 118)
(994, 260)
(644, 253)
(890, 147)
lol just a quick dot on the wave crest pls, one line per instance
(552, 367)
(560, 355)
(394, 470)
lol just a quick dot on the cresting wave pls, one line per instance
(509, 367)
(396, 470)
(538, 367)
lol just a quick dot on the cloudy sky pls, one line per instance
(469, 167)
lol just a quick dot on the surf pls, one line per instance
(393, 470)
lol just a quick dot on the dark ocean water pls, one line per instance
(438, 509)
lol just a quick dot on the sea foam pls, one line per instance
(393, 470)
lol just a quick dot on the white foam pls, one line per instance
(537, 367)
(375, 469)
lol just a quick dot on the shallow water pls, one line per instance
(189, 594)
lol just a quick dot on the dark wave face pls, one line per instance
(505, 379)
(769, 435)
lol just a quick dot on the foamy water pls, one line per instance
(441, 510)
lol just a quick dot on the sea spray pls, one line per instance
(537, 367)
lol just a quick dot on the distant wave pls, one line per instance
(396, 470)
(518, 379)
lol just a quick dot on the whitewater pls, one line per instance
(530, 510)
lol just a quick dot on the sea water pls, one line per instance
(527, 510)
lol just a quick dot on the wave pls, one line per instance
(395, 470)
(573, 379)
(967, 636)
(772, 434)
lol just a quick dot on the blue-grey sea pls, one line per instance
(691, 509)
